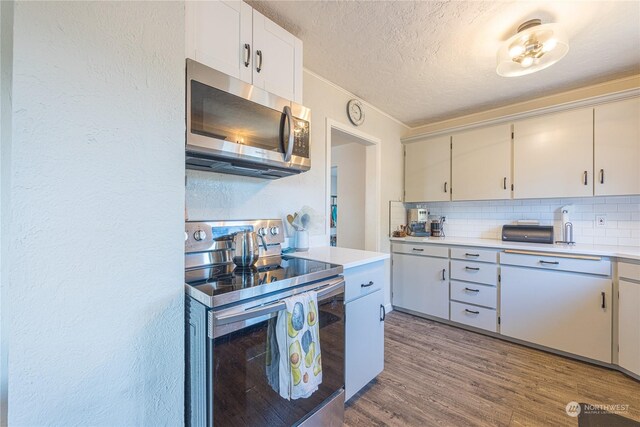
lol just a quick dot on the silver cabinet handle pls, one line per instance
(601, 176)
(259, 55)
(472, 268)
(473, 255)
(471, 311)
(247, 54)
(549, 262)
(444, 271)
(288, 116)
(445, 187)
(585, 177)
(472, 290)
(366, 285)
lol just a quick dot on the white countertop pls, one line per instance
(628, 252)
(346, 257)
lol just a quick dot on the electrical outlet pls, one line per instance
(601, 220)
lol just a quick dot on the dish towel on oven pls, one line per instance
(293, 361)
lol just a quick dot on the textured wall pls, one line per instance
(97, 214)
(485, 219)
(215, 196)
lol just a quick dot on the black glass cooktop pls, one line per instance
(269, 275)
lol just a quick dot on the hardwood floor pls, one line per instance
(436, 374)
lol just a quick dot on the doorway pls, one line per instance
(353, 164)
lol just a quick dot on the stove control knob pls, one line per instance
(274, 231)
(262, 231)
(199, 235)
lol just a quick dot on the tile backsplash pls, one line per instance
(484, 219)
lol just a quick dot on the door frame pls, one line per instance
(372, 178)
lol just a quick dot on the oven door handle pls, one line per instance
(225, 317)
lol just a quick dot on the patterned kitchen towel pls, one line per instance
(298, 338)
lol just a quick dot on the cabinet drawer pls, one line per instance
(417, 249)
(363, 280)
(486, 296)
(474, 254)
(477, 272)
(483, 318)
(596, 265)
(629, 271)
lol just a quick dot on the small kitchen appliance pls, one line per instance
(417, 222)
(236, 128)
(229, 310)
(437, 226)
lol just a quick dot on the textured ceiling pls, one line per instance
(427, 61)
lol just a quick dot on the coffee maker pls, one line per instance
(417, 220)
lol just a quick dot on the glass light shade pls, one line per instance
(531, 50)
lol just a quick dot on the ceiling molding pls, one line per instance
(352, 95)
(612, 90)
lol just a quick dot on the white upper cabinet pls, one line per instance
(217, 33)
(235, 39)
(617, 148)
(553, 155)
(481, 164)
(427, 170)
(278, 59)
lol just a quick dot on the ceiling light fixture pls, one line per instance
(534, 48)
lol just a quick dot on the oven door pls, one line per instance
(233, 120)
(242, 395)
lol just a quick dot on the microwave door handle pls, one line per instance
(324, 292)
(286, 115)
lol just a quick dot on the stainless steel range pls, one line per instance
(228, 310)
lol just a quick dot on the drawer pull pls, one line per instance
(549, 262)
(366, 285)
(418, 250)
(472, 268)
(604, 300)
(472, 290)
(471, 311)
(474, 255)
(443, 273)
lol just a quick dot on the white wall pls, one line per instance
(214, 196)
(484, 219)
(350, 161)
(97, 192)
(6, 67)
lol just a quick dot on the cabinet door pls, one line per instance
(421, 284)
(216, 34)
(364, 343)
(565, 311)
(617, 148)
(277, 59)
(553, 155)
(427, 170)
(629, 326)
(481, 164)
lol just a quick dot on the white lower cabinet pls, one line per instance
(629, 326)
(364, 341)
(471, 315)
(421, 284)
(364, 328)
(561, 310)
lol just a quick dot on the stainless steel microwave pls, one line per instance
(237, 128)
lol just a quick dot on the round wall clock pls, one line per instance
(355, 111)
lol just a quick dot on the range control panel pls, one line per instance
(201, 236)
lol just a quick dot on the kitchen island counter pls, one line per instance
(346, 257)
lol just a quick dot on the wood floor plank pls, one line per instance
(436, 374)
